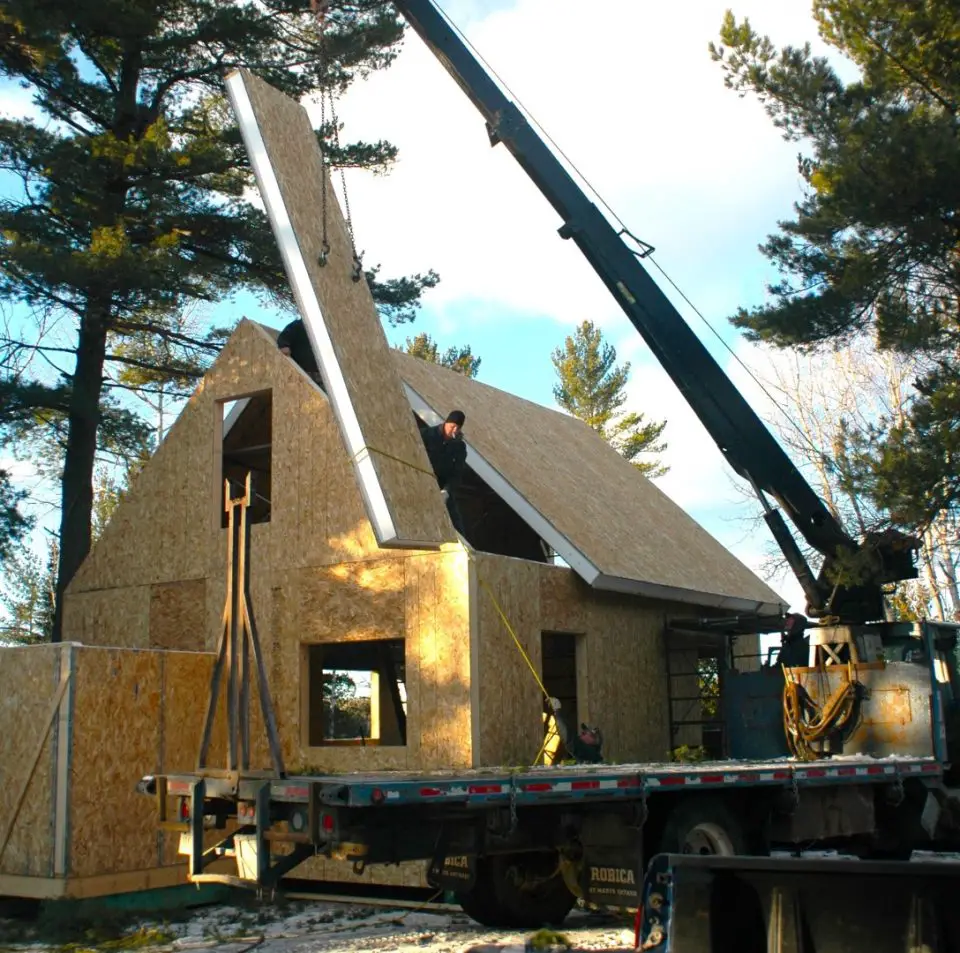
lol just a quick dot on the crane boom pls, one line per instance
(743, 439)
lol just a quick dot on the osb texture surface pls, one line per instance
(420, 598)
(29, 678)
(167, 528)
(351, 319)
(621, 677)
(135, 713)
(617, 518)
(156, 576)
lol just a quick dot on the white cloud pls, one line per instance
(631, 93)
(16, 102)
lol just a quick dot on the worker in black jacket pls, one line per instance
(294, 341)
(448, 457)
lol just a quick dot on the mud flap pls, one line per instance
(703, 904)
(611, 878)
(453, 873)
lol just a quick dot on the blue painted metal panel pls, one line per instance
(753, 714)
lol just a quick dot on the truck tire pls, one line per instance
(480, 902)
(517, 891)
(703, 826)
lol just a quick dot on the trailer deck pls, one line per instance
(538, 785)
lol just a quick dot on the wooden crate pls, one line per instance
(79, 726)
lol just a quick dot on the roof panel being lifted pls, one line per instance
(341, 318)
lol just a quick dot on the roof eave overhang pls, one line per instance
(713, 600)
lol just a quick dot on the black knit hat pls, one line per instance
(456, 417)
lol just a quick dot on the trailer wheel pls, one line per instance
(518, 891)
(480, 902)
(703, 827)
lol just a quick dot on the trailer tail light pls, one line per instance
(246, 812)
(376, 796)
(184, 810)
(327, 823)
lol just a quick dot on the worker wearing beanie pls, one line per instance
(448, 457)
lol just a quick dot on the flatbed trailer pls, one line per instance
(518, 847)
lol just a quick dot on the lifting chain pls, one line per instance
(320, 9)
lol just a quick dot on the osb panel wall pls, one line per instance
(167, 528)
(131, 713)
(146, 578)
(350, 317)
(421, 598)
(621, 678)
(29, 678)
(509, 703)
(115, 617)
(178, 614)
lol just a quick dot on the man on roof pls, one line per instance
(294, 341)
(448, 457)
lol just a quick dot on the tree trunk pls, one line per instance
(83, 421)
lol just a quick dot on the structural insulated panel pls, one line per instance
(615, 528)
(399, 490)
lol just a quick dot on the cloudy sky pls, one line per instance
(628, 90)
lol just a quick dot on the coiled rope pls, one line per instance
(807, 724)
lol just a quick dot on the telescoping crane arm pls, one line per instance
(742, 437)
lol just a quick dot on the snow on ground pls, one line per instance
(325, 927)
(315, 927)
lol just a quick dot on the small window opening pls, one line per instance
(559, 674)
(247, 448)
(357, 694)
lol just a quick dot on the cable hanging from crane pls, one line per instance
(320, 9)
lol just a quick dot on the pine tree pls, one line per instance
(127, 197)
(872, 248)
(457, 358)
(14, 525)
(591, 386)
(27, 596)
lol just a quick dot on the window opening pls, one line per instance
(356, 693)
(248, 448)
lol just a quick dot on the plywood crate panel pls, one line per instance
(29, 678)
(83, 829)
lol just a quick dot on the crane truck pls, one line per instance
(708, 853)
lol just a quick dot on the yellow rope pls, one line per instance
(390, 456)
(509, 628)
(806, 724)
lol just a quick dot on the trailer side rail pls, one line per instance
(556, 785)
